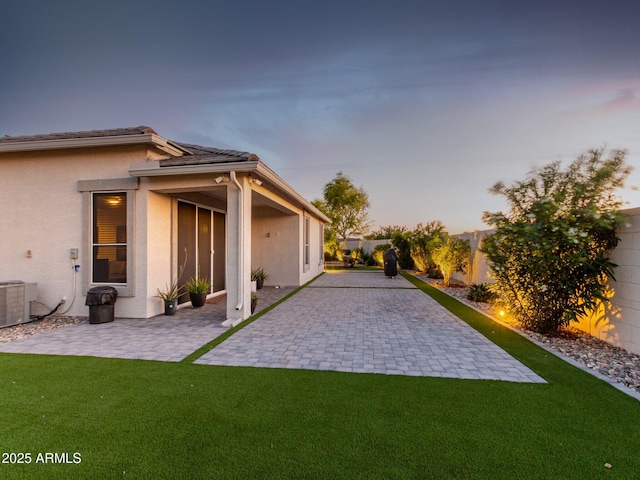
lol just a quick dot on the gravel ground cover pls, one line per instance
(8, 334)
(613, 362)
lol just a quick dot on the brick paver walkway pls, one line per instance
(365, 322)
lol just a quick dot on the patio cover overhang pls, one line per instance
(252, 167)
(243, 183)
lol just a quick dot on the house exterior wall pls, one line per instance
(618, 322)
(160, 268)
(46, 202)
(43, 214)
(275, 246)
(316, 250)
(277, 242)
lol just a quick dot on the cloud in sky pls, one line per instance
(422, 103)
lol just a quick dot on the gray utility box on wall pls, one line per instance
(15, 302)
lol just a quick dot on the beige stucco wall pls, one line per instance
(43, 213)
(160, 266)
(619, 322)
(275, 246)
(477, 269)
(277, 235)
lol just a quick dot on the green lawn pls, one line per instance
(142, 419)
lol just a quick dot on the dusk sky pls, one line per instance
(424, 104)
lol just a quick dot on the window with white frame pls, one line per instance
(109, 238)
(108, 215)
(320, 243)
(307, 246)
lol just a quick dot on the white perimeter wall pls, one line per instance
(367, 245)
(619, 322)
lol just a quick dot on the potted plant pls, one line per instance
(254, 303)
(170, 295)
(172, 292)
(198, 289)
(259, 275)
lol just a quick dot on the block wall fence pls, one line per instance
(618, 322)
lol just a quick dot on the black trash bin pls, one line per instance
(101, 301)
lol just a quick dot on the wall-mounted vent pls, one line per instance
(15, 302)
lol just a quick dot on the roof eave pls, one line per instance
(153, 169)
(86, 142)
(284, 187)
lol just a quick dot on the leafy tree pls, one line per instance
(401, 241)
(331, 244)
(346, 205)
(422, 240)
(451, 255)
(549, 252)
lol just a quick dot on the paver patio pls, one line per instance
(344, 321)
(364, 322)
(163, 338)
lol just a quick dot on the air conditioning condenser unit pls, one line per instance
(15, 302)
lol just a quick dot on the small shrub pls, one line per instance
(421, 242)
(434, 272)
(378, 253)
(480, 292)
(451, 255)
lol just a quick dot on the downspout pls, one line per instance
(232, 175)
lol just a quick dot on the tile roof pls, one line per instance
(194, 154)
(207, 155)
(84, 134)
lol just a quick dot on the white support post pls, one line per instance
(238, 276)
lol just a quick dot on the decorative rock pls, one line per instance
(8, 334)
